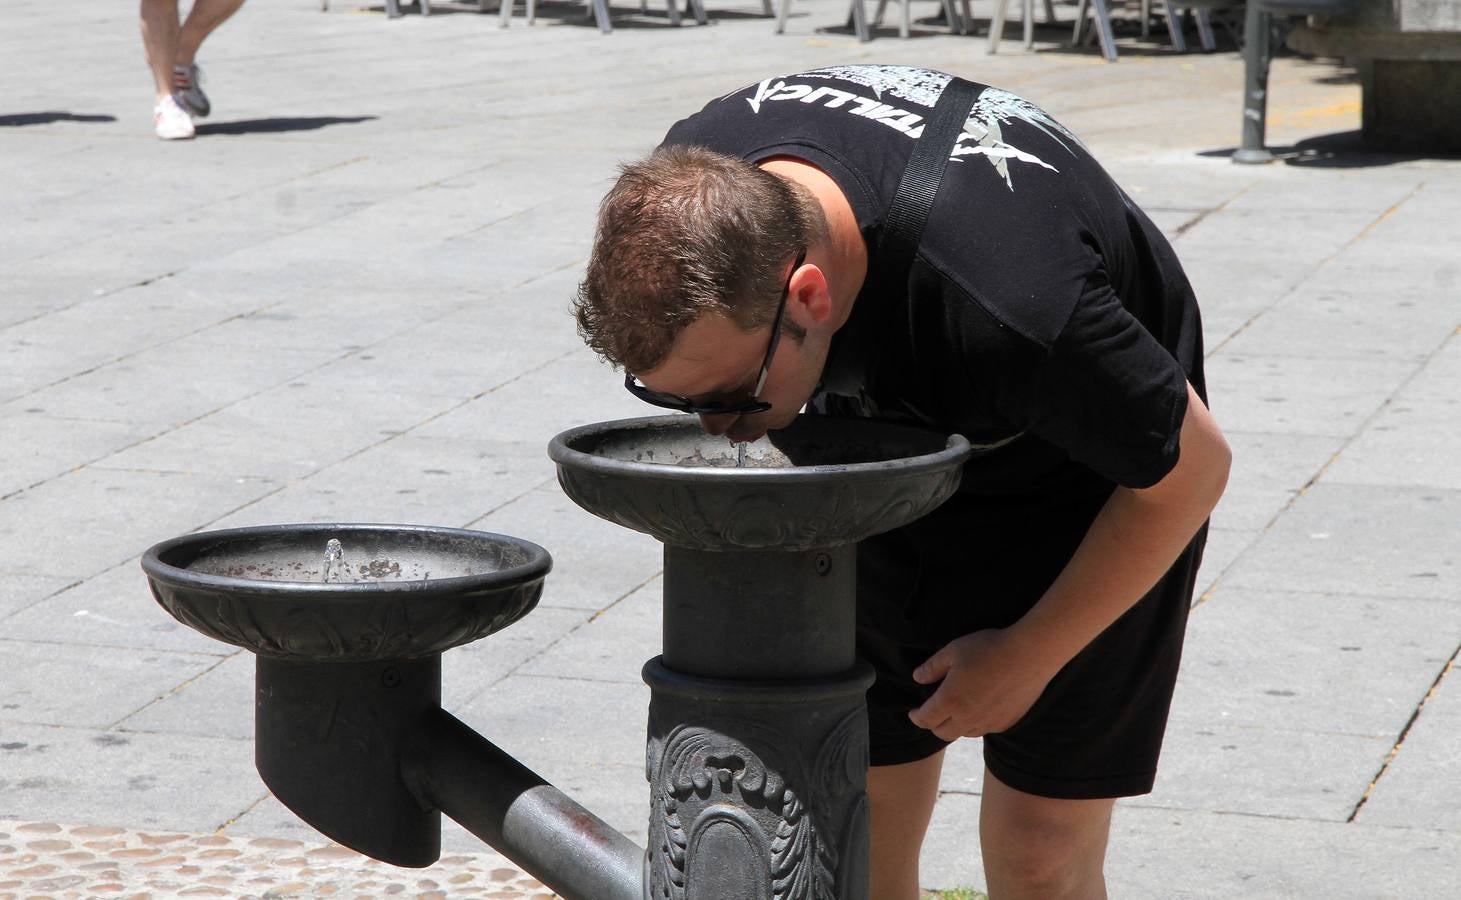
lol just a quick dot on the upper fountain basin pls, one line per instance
(820, 482)
(404, 591)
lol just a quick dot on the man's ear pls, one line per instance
(809, 291)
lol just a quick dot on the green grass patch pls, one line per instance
(956, 894)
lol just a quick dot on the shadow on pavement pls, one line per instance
(17, 120)
(1341, 150)
(282, 124)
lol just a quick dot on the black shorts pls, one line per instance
(1097, 729)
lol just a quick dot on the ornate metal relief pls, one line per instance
(773, 813)
(791, 517)
(386, 625)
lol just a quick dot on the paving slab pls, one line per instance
(1260, 771)
(611, 646)
(53, 684)
(156, 388)
(53, 446)
(479, 667)
(1360, 539)
(145, 781)
(1224, 545)
(1413, 791)
(1275, 394)
(1348, 321)
(594, 563)
(218, 702)
(1268, 472)
(585, 737)
(89, 520)
(1174, 853)
(111, 610)
(19, 592)
(1412, 441)
(1309, 662)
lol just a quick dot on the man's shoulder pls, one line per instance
(852, 102)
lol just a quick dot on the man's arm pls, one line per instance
(992, 678)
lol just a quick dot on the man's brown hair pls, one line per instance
(685, 232)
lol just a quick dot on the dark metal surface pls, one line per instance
(759, 615)
(758, 788)
(532, 823)
(821, 482)
(327, 742)
(415, 591)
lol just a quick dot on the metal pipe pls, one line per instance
(451, 768)
(1257, 50)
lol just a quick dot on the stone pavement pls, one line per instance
(346, 301)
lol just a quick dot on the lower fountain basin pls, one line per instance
(397, 591)
(821, 482)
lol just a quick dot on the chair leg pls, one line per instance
(905, 22)
(324, 5)
(425, 7)
(782, 15)
(532, 11)
(956, 24)
(1204, 30)
(1028, 21)
(1174, 27)
(697, 9)
(1082, 10)
(878, 15)
(767, 8)
(1146, 19)
(859, 22)
(674, 8)
(601, 16)
(1103, 30)
(996, 25)
(966, 23)
(393, 9)
(1050, 12)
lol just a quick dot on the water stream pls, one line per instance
(336, 569)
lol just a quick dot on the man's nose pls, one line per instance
(716, 423)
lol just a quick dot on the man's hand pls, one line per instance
(989, 684)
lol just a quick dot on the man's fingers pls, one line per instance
(949, 731)
(934, 668)
(932, 713)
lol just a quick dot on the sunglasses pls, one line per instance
(715, 407)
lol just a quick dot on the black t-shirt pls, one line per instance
(1045, 317)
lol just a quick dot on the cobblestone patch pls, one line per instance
(58, 862)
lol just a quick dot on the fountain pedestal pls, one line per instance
(758, 749)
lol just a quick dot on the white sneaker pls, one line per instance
(171, 122)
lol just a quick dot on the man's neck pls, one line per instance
(841, 254)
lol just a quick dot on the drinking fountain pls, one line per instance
(757, 740)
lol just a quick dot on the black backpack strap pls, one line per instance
(903, 227)
(853, 361)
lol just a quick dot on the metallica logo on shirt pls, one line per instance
(982, 134)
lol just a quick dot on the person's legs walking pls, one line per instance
(160, 39)
(900, 800)
(203, 18)
(1040, 847)
(159, 19)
